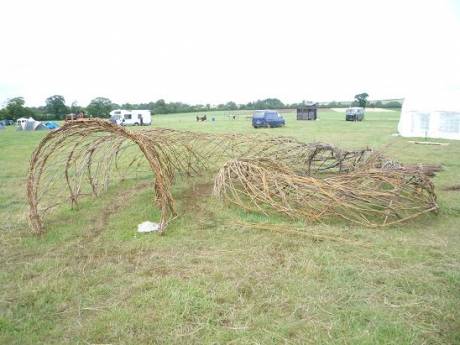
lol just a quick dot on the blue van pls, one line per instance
(267, 118)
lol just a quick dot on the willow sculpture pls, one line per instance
(84, 157)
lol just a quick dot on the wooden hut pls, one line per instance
(308, 112)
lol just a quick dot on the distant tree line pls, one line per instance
(55, 107)
(396, 104)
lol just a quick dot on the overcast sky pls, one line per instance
(206, 51)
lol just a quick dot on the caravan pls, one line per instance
(131, 117)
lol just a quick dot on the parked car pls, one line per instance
(267, 118)
(354, 114)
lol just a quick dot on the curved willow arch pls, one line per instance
(84, 139)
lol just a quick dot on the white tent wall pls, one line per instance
(29, 124)
(432, 116)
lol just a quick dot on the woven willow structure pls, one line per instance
(84, 157)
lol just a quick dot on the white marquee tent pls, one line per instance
(434, 115)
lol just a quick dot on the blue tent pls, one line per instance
(51, 125)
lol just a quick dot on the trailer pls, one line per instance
(131, 117)
(308, 112)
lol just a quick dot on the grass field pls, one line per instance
(91, 279)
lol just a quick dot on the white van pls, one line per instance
(131, 117)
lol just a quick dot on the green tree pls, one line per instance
(393, 104)
(160, 107)
(75, 108)
(55, 105)
(15, 109)
(231, 106)
(100, 106)
(128, 106)
(361, 99)
(3, 114)
(269, 103)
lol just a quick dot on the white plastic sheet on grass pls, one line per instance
(148, 227)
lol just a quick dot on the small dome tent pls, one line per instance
(434, 115)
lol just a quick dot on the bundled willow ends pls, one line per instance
(371, 198)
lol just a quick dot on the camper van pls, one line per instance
(131, 117)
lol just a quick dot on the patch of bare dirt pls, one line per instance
(192, 199)
(116, 203)
(193, 202)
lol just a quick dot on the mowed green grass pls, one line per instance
(91, 279)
